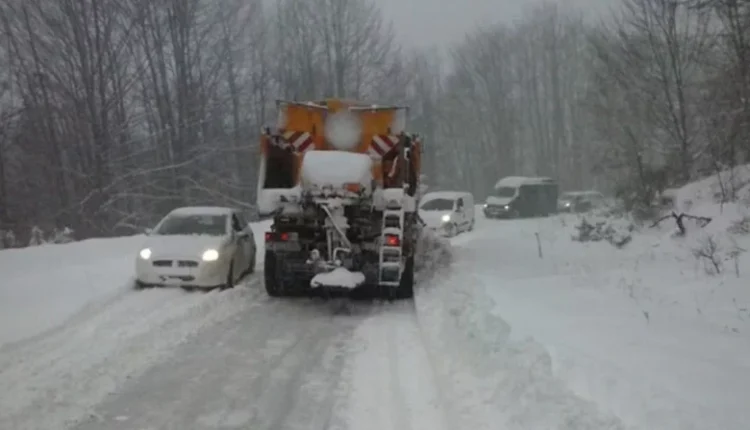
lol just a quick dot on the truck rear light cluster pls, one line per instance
(284, 236)
(392, 240)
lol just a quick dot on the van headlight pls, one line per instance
(446, 218)
(145, 253)
(210, 255)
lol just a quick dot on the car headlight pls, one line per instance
(506, 207)
(211, 255)
(145, 253)
(567, 204)
(446, 218)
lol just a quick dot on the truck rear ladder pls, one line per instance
(391, 247)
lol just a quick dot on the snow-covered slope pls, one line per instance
(646, 332)
(43, 286)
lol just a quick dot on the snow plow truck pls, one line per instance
(340, 179)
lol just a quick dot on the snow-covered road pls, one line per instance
(501, 339)
(293, 364)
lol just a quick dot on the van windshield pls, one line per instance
(504, 192)
(438, 205)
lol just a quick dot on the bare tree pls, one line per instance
(514, 100)
(648, 73)
(122, 110)
(341, 48)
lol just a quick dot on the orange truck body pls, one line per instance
(302, 126)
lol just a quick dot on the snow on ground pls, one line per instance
(394, 385)
(645, 332)
(74, 331)
(584, 337)
(45, 285)
(42, 286)
(493, 381)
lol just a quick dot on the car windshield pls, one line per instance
(438, 205)
(212, 225)
(504, 192)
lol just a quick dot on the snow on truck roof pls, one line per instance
(202, 210)
(517, 181)
(336, 168)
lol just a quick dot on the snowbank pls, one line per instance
(494, 381)
(698, 274)
(433, 252)
(654, 332)
(709, 192)
(45, 285)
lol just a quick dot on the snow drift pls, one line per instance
(495, 382)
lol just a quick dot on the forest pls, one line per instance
(113, 112)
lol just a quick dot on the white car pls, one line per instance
(580, 201)
(197, 247)
(448, 212)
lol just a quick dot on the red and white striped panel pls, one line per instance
(382, 144)
(301, 141)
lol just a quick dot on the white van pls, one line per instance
(448, 212)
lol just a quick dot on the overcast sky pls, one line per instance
(423, 23)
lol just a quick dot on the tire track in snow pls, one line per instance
(280, 365)
(55, 379)
(394, 385)
(90, 310)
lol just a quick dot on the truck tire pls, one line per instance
(273, 286)
(406, 288)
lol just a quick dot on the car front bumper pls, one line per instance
(497, 212)
(442, 229)
(198, 274)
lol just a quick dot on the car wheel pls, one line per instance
(451, 230)
(230, 277)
